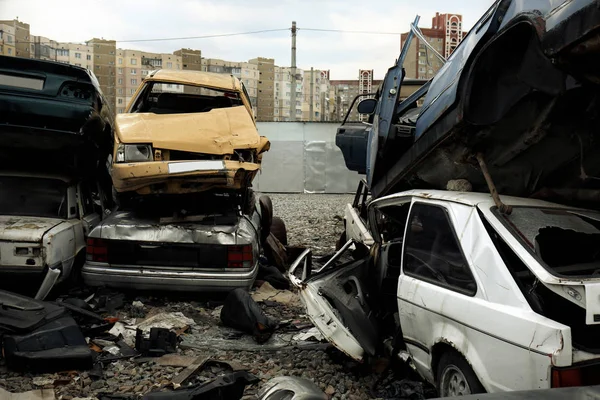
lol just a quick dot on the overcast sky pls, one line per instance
(342, 53)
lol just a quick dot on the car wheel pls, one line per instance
(455, 377)
(266, 215)
(279, 230)
(250, 202)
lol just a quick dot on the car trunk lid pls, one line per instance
(25, 229)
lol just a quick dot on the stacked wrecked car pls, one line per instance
(55, 139)
(482, 292)
(186, 152)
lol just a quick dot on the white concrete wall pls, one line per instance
(303, 159)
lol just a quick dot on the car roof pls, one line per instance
(201, 78)
(482, 200)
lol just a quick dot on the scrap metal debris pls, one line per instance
(241, 312)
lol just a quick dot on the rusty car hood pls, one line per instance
(25, 229)
(218, 131)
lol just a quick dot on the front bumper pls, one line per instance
(153, 278)
(181, 176)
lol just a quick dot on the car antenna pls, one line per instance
(503, 208)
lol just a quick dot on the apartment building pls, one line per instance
(15, 38)
(44, 48)
(190, 59)
(444, 36)
(315, 104)
(104, 54)
(347, 90)
(451, 25)
(7, 39)
(81, 55)
(283, 93)
(265, 99)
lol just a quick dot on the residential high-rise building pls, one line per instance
(347, 90)
(282, 94)
(266, 88)
(444, 36)
(104, 55)
(315, 91)
(190, 59)
(81, 55)
(452, 25)
(7, 38)
(44, 48)
(20, 43)
(365, 87)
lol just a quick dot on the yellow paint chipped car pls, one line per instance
(187, 131)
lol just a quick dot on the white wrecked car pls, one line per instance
(44, 220)
(481, 301)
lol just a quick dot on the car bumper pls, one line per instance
(181, 176)
(151, 278)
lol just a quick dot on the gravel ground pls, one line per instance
(312, 220)
(315, 221)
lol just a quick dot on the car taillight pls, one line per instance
(239, 256)
(96, 250)
(566, 377)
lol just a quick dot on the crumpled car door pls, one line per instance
(337, 300)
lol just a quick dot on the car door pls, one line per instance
(435, 272)
(336, 298)
(350, 296)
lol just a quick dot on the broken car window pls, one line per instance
(432, 251)
(566, 242)
(391, 222)
(33, 197)
(169, 98)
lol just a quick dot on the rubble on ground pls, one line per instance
(314, 221)
(205, 348)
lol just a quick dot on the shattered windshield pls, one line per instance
(170, 98)
(567, 242)
(35, 197)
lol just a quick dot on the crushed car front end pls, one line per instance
(187, 133)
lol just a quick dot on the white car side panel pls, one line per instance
(60, 246)
(355, 227)
(495, 330)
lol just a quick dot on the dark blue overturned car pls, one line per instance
(520, 94)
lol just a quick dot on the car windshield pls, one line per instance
(567, 242)
(35, 197)
(169, 98)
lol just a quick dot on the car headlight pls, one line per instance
(134, 153)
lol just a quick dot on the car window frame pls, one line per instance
(460, 248)
(516, 235)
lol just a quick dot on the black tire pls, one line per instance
(250, 202)
(455, 377)
(279, 230)
(266, 215)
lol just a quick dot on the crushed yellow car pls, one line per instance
(187, 131)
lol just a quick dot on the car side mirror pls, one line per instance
(367, 106)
